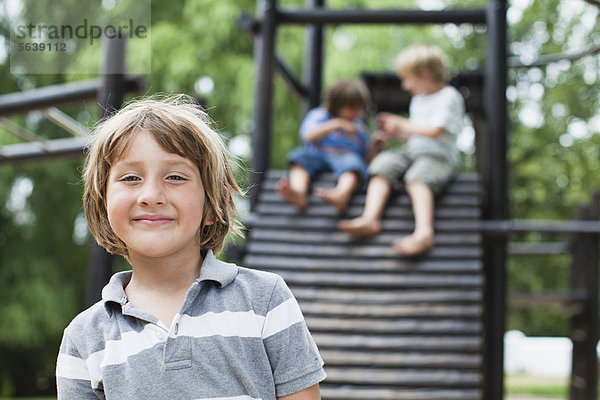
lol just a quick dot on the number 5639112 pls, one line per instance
(59, 46)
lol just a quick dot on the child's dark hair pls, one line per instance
(346, 93)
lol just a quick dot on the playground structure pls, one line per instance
(282, 242)
(476, 237)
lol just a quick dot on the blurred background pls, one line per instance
(198, 49)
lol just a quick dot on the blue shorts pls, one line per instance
(315, 162)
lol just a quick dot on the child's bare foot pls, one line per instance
(333, 196)
(360, 226)
(414, 244)
(290, 195)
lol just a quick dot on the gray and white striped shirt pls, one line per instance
(239, 335)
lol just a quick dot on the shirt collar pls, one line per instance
(216, 270)
(114, 291)
(212, 269)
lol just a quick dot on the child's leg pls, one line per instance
(369, 223)
(426, 176)
(341, 194)
(422, 238)
(293, 189)
(349, 168)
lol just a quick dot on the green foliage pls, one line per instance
(554, 146)
(42, 269)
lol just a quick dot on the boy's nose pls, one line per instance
(152, 193)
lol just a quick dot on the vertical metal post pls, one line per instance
(110, 98)
(313, 60)
(584, 324)
(264, 54)
(497, 200)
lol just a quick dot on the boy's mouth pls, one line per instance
(153, 219)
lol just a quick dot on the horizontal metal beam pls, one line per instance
(50, 149)
(55, 95)
(504, 227)
(361, 16)
(569, 298)
(538, 249)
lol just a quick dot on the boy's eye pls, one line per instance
(176, 178)
(130, 178)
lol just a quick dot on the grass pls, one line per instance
(525, 385)
(548, 388)
(537, 386)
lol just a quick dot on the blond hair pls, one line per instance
(421, 59)
(180, 127)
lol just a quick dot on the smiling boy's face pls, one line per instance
(155, 200)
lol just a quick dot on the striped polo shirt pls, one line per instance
(238, 335)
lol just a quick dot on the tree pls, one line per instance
(198, 49)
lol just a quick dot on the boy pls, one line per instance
(181, 324)
(430, 157)
(335, 139)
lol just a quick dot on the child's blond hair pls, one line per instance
(421, 59)
(180, 127)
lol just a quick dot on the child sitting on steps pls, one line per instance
(335, 140)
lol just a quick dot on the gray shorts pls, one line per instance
(398, 165)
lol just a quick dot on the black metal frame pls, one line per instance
(492, 149)
(321, 16)
(495, 178)
(62, 94)
(581, 301)
(584, 323)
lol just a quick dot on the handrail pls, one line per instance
(54, 95)
(505, 227)
(365, 16)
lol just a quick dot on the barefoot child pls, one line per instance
(335, 139)
(181, 324)
(430, 157)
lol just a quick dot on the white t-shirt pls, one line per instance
(444, 108)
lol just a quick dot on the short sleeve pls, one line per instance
(313, 118)
(72, 376)
(292, 352)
